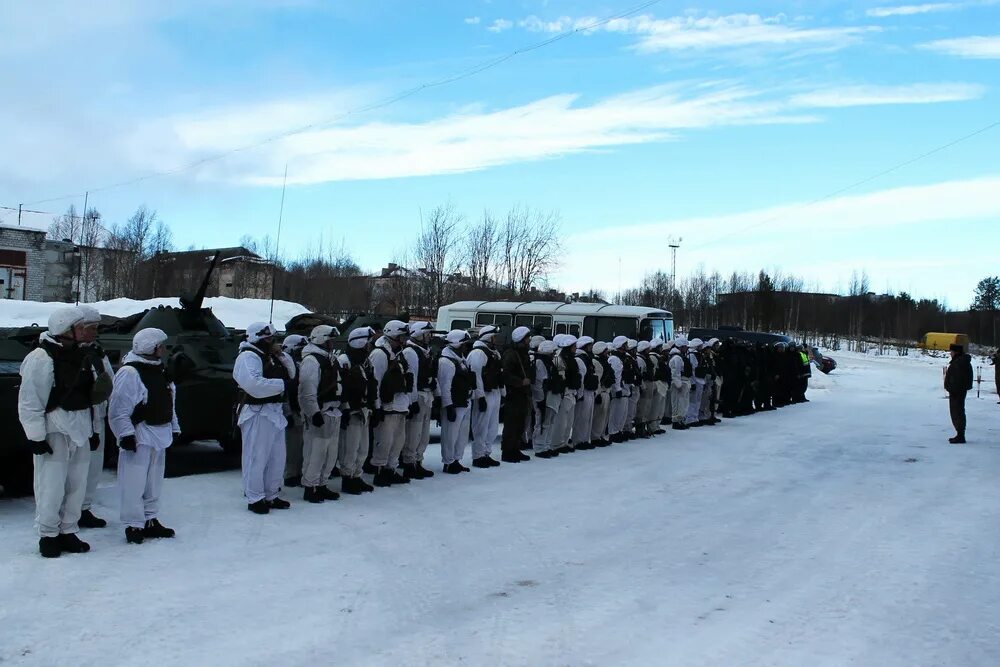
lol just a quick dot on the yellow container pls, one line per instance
(943, 341)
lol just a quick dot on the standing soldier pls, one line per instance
(634, 375)
(619, 401)
(484, 360)
(262, 377)
(456, 383)
(662, 384)
(680, 382)
(418, 425)
(602, 398)
(697, 383)
(292, 348)
(583, 423)
(535, 425)
(392, 403)
(58, 391)
(319, 400)
(958, 382)
(548, 393)
(356, 405)
(516, 366)
(102, 382)
(647, 374)
(706, 415)
(565, 365)
(142, 416)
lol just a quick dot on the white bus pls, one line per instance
(600, 321)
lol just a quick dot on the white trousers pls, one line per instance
(94, 472)
(694, 407)
(562, 426)
(294, 443)
(705, 411)
(60, 484)
(644, 413)
(263, 458)
(454, 435)
(418, 430)
(140, 480)
(619, 410)
(353, 446)
(659, 403)
(583, 420)
(543, 440)
(680, 396)
(601, 412)
(633, 408)
(319, 450)
(390, 436)
(485, 425)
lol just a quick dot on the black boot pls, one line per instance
(88, 520)
(411, 471)
(134, 535)
(958, 439)
(72, 544)
(368, 468)
(365, 486)
(399, 478)
(546, 454)
(279, 504)
(49, 547)
(154, 529)
(452, 468)
(585, 446)
(665, 421)
(424, 472)
(335, 472)
(383, 477)
(349, 485)
(482, 462)
(312, 495)
(259, 507)
(603, 442)
(526, 446)
(293, 481)
(327, 493)
(461, 468)
(566, 449)
(512, 457)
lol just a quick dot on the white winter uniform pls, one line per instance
(562, 425)
(680, 387)
(390, 434)
(644, 410)
(697, 389)
(454, 434)
(263, 428)
(60, 477)
(602, 405)
(544, 413)
(140, 473)
(619, 398)
(354, 439)
(97, 456)
(319, 444)
(583, 416)
(634, 395)
(418, 427)
(660, 390)
(485, 424)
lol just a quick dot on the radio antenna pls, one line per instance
(277, 244)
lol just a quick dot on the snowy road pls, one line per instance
(801, 537)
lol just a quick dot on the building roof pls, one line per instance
(551, 307)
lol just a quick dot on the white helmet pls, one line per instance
(656, 343)
(519, 334)
(695, 344)
(681, 341)
(293, 341)
(600, 347)
(90, 314)
(584, 341)
(321, 334)
(643, 346)
(535, 342)
(420, 329)
(632, 343)
(64, 319)
(567, 340)
(547, 347)
(259, 330)
(488, 333)
(147, 340)
(619, 342)
(395, 329)
(359, 338)
(457, 337)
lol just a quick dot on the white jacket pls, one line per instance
(309, 377)
(37, 380)
(619, 369)
(379, 360)
(446, 373)
(694, 367)
(413, 365)
(676, 362)
(541, 375)
(248, 371)
(129, 392)
(478, 358)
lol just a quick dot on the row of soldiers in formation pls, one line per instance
(303, 406)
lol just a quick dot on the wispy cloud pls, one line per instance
(702, 33)
(920, 93)
(472, 20)
(981, 47)
(911, 10)
(500, 25)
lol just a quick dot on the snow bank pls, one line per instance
(236, 313)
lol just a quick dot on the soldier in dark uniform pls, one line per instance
(516, 370)
(958, 382)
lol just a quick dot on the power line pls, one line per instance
(393, 99)
(852, 186)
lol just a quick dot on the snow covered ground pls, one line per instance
(236, 313)
(845, 531)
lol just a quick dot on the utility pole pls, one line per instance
(79, 259)
(674, 245)
(19, 214)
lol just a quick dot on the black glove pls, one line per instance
(95, 442)
(377, 417)
(345, 420)
(39, 447)
(451, 413)
(482, 404)
(414, 410)
(317, 420)
(598, 399)
(127, 443)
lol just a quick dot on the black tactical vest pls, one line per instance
(555, 383)
(590, 382)
(329, 376)
(491, 371)
(426, 377)
(608, 376)
(73, 378)
(396, 379)
(159, 406)
(462, 384)
(273, 370)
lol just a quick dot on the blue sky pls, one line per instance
(713, 122)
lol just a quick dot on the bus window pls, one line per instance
(575, 330)
(502, 319)
(483, 319)
(668, 327)
(461, 324)
(524, 321)
(560, 328)
(606, 328)
(651, 329)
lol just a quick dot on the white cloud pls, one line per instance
(910, 10)
(500, 25)
(472, 20)
(983, 47)
(920, 93)
(701, 33)
(748, 240)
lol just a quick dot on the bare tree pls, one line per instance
(482, 242)
(437, 252)
(87, 233)
(129, 245)
(529, 248)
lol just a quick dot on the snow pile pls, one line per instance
(843, 531)
(235, 313)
